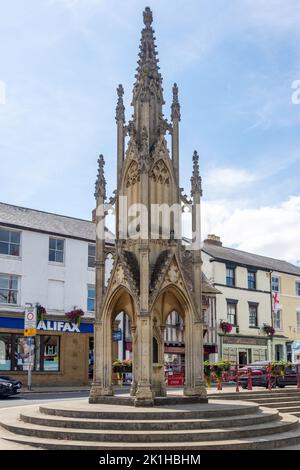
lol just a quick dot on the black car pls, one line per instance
(9, 387)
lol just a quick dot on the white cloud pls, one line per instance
(267, 230)
(228, 178)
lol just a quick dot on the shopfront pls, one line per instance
(60, 352)
(244, 349)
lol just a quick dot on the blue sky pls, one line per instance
(234, 62)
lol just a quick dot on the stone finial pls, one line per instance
(196, 181)
(148, 17)
(100, 186)
(175, 93)
(175, 108)
(120, 109)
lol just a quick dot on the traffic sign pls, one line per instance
(30, 321)
(30, 332)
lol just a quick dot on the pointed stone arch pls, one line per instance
(120, 300)
(171, 297)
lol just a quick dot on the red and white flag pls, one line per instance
(275, 300)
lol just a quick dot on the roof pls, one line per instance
(61, 225)
(249, 259)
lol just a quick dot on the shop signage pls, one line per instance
(245, 341)
(50, 325)
(117, 335)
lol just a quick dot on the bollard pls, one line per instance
(219, 388)
(249, 385)
(237, 388)
(269, 377)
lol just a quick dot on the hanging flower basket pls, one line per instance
(226, 327)
(268, 330)
(40, 312)
(75, 315)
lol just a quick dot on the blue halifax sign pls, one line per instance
(48, 325)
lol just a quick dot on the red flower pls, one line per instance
(226, 327)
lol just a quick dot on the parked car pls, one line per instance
(289, 377)
(259, 376)
(9, 387)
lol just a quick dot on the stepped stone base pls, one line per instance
(156, 401)
(75, 424)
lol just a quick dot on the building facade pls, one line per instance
(286, 311)
(50, 260)
(248, 283)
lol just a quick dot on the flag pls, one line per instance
(275, 300)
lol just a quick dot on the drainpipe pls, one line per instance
(272, 317)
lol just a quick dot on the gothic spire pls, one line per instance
(120, 109)
(100, 186)
(147, 91)
(148, 63)
(175, 108)
(196, 180)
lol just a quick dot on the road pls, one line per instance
(36, 398)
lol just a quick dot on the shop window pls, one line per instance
(91, 255)
(17, 352)
(91, 299)
(56, 250)
(10, 242)
(25, 352)
(49, 347)
(8, 289)
(5, 352)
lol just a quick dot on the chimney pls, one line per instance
(94, 216)
(213, 240)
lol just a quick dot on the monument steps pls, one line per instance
(35, 417)
(285, 401)
(219, 425)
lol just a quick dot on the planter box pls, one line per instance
(122, 369)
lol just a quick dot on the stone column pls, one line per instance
(133, 387)
(144, 394)
(102, 383)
